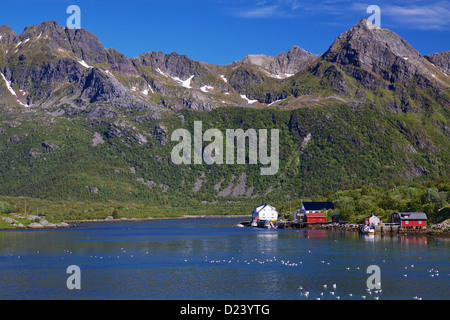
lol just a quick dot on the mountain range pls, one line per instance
(84, 122)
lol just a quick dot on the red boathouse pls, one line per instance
(312, 218)
(410, 219)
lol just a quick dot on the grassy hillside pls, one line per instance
(321, 149)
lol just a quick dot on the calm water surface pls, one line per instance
(213, 259)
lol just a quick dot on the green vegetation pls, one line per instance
(348, 146)
(355, 203)
(59, 211)
(5, 207)
(57, 162)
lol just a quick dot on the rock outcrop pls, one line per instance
(441, 60)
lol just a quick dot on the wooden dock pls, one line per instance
(387, 228)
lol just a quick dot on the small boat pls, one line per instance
(367, 230)
(240, 225)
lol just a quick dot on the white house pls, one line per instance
(372, 221)
(265, 212)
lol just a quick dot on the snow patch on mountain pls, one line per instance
(8, 85)
(10, 89)
(247, 99)
(206, 88)
(185, 83)
(84, 64)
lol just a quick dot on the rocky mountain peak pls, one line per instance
(295, 60)
(6, 34)
(283, 65)
(50, 35)
(381, 51)
(362, 46)
(51, 31)
(86, 45)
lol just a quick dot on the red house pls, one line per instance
(313, 212)
(312, 218)
(410, 219)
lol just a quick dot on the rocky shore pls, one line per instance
(441, 229)
(438, 230)
(34, 222)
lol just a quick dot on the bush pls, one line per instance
(5, 207)
(115, 214)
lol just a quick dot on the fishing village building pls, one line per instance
(410, 219)
(372, 221)
(265, 212)
(313, 212)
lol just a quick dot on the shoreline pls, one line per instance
(69, 224)
(159, 219)
(432, 232)
(429, 231)
(42, 227)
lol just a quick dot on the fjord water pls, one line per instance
(214, 259)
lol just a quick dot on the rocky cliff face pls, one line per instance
(440, 60)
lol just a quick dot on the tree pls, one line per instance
(115, 214)
(346, 207)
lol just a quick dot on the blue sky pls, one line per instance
(222, 31)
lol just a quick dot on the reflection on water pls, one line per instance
(316, 234)
(368, 237)
(212, 259)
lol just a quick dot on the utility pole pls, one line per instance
(25, 206)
